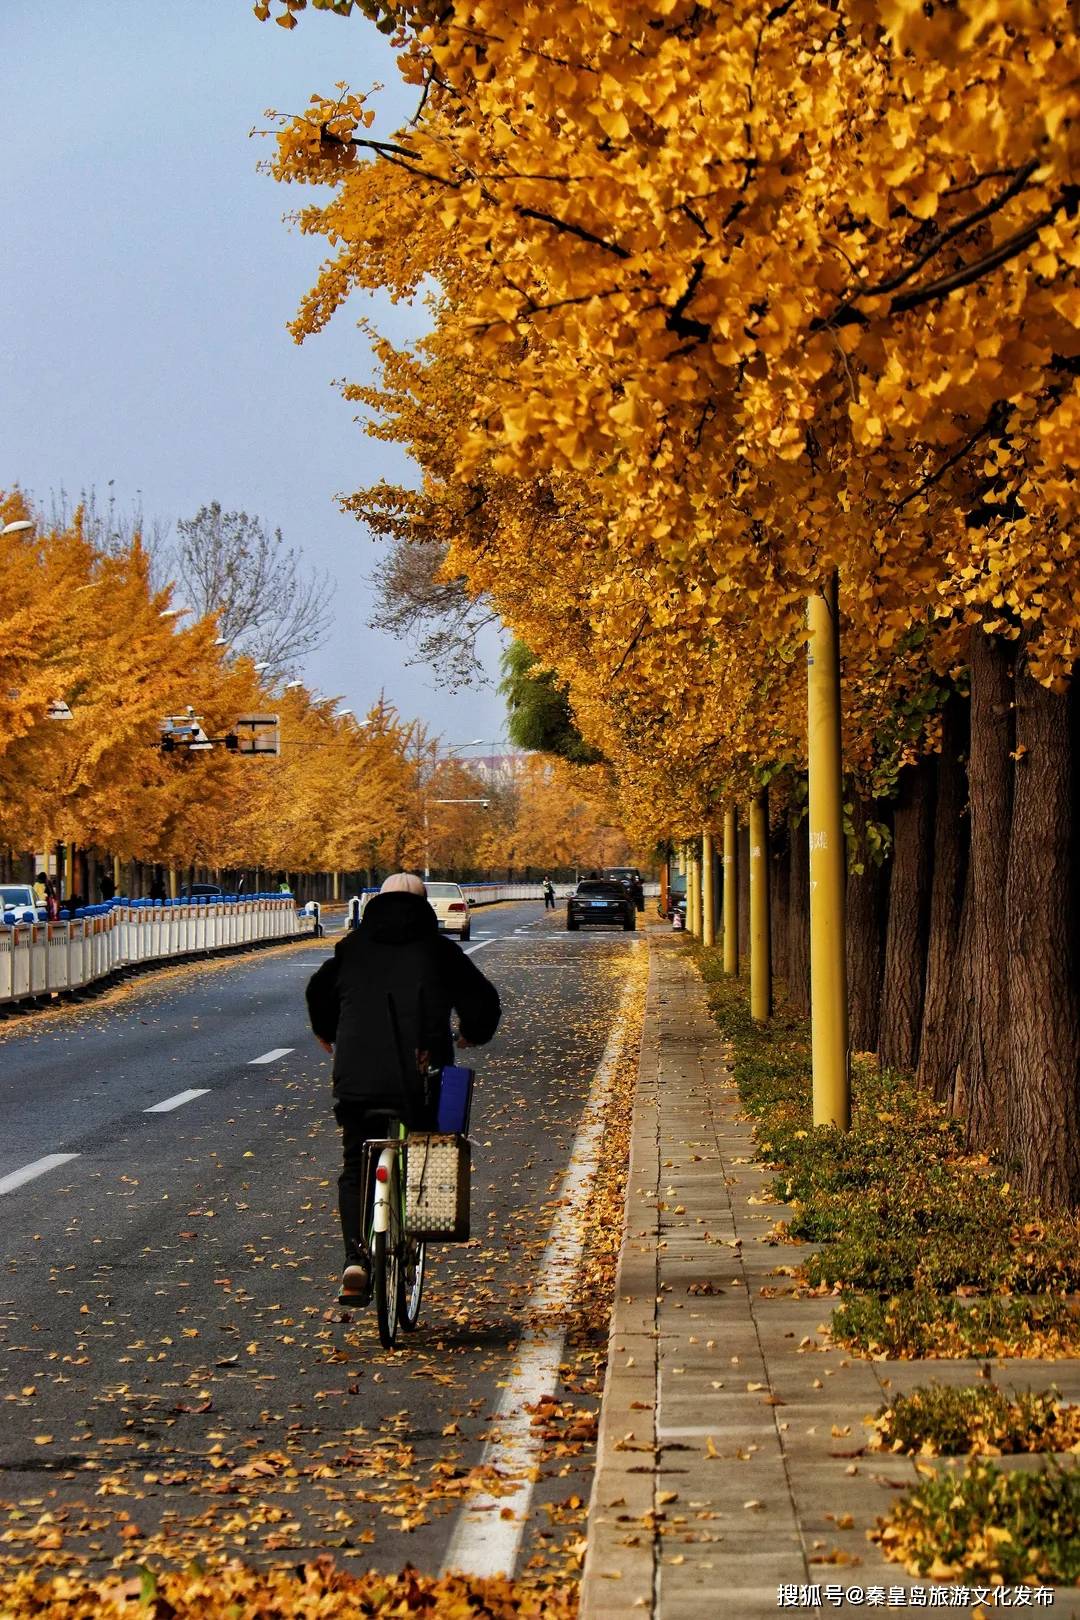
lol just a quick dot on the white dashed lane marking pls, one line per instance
(272, 1057)
(178, 1101)
(30, 1172)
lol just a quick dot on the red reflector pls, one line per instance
(457, 905)
(382, 1173)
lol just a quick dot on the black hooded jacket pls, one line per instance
(396, 966)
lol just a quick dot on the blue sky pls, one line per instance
(146, 280)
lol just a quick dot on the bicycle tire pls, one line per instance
(386, 1268)
(411, 1291)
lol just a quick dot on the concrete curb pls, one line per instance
(617, 1577)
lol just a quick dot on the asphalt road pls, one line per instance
(176, 1375)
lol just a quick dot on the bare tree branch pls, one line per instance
(437, 615)
(269, 605)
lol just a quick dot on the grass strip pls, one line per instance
(907, 1222)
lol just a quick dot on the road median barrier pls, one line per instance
(100, 943)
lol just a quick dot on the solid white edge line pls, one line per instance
(176, 1102)
(483, 1542)
(29, 1172)
(272, 1057)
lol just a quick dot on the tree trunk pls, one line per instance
(945, 1011)
(909, 918)
(1043, 1090)
(867, 911)
(981, 1081)
(779, 874)
(798, 941)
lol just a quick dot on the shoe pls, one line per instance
(355, 1285)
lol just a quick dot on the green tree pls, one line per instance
(539, 710)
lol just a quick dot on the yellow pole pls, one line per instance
(731, 895)
(708, 891)
(173, 884)
(828, 865)
(693, 899)
(117, 875)
(337, 885)
(69, 871)
(760, 945)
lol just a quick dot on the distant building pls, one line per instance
(500, 770)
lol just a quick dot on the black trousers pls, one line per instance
(549, 902)
(359, 1123)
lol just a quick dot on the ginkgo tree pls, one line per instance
(731, 301)
(344, 794)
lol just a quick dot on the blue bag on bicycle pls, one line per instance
(455, 1100)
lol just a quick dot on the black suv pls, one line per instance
(629, 875)
(601, 900)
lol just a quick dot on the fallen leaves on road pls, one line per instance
(315, 1591)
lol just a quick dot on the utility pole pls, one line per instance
(828, 864)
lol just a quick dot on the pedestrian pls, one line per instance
(382, 1005)
(41, 889)
(52, 901)
(549, 895)
(106, 886)
(157, 885)
(283, 884)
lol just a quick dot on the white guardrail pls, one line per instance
(38, 959)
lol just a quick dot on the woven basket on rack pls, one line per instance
(437, 1187)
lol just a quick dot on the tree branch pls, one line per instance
(995, 422)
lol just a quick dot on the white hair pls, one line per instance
(403, 883)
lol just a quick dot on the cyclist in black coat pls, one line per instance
(383, 1004)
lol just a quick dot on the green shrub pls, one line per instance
(938, 1420)
(1019, 1527)
(919, 1323)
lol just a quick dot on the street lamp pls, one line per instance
(17, 526)
(173, 612)
(427, 842)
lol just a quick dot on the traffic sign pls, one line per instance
(258, 733)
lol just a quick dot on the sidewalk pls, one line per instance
(729, 1459)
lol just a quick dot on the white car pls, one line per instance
(451, 907)
(18, 898)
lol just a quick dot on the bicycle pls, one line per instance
(397, 1260)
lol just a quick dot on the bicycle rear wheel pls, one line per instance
(412, 1284)
(386, 1266)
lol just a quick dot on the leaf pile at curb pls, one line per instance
(314, 1591)
(938, 1420)
(1018, 1528)
(907, 1221)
